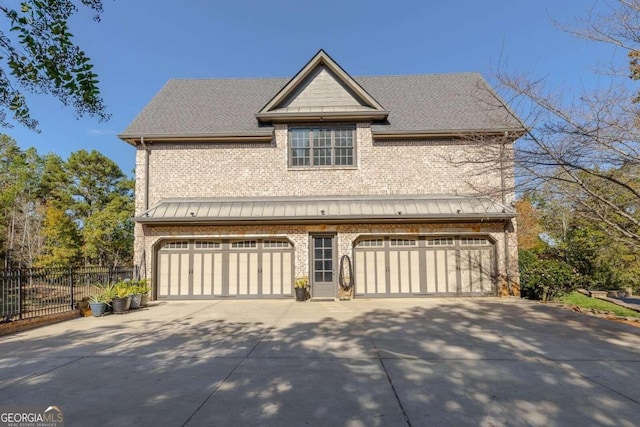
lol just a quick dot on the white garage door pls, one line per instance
(406, 266)
(225, 268)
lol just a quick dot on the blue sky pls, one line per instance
(140, 44)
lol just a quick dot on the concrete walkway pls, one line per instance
(630, 302)
(391, 362)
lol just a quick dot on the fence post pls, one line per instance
(20, 293)
(71, 285)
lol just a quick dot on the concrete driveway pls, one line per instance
(391, 362)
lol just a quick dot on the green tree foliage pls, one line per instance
(62, 242)
(94, 180)
(544, 277)
(600, 259)
(39, 55)
(581, 158)
(108, 233)
(20, 208)
(57, 213)
(529, 226)
(101, 202)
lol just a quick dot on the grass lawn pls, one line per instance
(583, 301)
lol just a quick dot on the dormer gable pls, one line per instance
(321, 91)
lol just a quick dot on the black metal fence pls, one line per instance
(33, 292)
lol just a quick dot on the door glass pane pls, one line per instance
(323, 259)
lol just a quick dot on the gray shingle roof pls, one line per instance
(428, 103)
(327, 209)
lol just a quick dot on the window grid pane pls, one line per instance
(404, 242)
(276, 244)
(370, 243)
(176, 245)
(207, 245)
(322, 147)
(440, 242)
(243, 244)
(300, 147)
(473, 241)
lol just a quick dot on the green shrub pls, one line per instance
(543, 277)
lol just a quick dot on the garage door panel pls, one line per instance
(178, 277)
(436, 266)
(246, 268)
(253, 274)
(394, 272)
(207, 274)
(452, 272)
(217, 274)
(268, 273)
(486, 271)
(198, 274)
(414, 261)
(287, 274)
(360, 272)
(441, 271)
(404, 269)
(234, 274)
(465, 271)
(163, 276)
(379, 279)
(432, 282)
(476, 271)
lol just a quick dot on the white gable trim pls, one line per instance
(321, 59)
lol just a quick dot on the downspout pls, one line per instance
(507, 257)
(146, 173)
(146, 203)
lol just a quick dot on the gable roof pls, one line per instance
(225, 109)
(322, 88)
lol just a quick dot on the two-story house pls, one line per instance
(244, 185)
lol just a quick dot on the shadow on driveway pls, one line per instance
(360, 363)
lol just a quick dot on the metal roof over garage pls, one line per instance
(336, 209)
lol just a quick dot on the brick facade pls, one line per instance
(185, 169)
(197, 170)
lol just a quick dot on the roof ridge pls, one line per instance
(355, 77)
(224, 78)
(423, 74)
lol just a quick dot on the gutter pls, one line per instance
(324, 219)
(258, 136)
(340, 116)
(515, 133)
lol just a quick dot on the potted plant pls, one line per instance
(300, 286)
(136, 294)
(144, 292)
(98, 301)
(122, 300)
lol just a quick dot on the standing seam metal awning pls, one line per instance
(337, 209)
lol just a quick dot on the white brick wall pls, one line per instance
(194, 170)
(239, 170)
